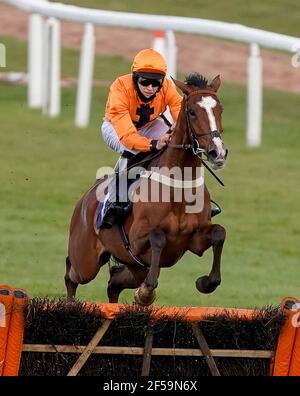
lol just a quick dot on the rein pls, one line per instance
(213, 173)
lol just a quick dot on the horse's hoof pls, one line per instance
(204, 285)
(141, 300)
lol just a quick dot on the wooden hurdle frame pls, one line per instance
(284, 361)
(147, 352)
(192, 315)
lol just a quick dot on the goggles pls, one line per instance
(145, 82)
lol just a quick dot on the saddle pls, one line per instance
(110, 212)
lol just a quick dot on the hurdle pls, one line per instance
(96, 338)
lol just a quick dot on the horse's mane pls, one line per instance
(196, 80)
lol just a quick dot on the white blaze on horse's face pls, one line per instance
(208, 103)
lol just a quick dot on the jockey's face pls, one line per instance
(149, 89)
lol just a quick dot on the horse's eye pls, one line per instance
(192, 113)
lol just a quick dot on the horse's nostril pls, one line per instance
(212, 154)
(226, 153)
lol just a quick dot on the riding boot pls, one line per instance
(115, 212)
(117, 209)
(215, 210)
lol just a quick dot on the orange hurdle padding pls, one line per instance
(6, 303)
(286, 340)
(190, 314)
(295, 359)
(15, 335)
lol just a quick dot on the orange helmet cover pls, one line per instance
(149, 60)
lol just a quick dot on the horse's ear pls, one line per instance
(182, 86)
(215, 84)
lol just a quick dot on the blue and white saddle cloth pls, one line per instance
(100, 211)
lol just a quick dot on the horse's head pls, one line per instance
(203, 111)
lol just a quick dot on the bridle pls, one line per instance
(193, 135)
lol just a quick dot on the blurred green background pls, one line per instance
(46, 164)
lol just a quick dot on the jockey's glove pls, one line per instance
(153, 145)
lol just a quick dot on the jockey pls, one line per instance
(131, 123)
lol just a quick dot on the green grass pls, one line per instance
(46, 164)
(274, 15)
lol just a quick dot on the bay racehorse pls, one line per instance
(157, 234)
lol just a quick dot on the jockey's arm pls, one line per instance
(136, 142)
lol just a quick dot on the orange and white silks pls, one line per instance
(124, 109)
(12, 322)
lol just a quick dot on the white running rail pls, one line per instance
(232, 31)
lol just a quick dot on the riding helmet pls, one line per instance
(149, 63)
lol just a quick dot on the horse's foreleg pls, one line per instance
(213, 236)
(122, 278)
(71, 286)
(145, 294)
(216, 237)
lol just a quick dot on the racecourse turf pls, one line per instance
(46, 164)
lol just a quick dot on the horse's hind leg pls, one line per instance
(122, 278)
(145, 294)
(71, 286)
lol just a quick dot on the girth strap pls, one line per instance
(128, 248)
